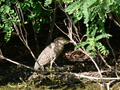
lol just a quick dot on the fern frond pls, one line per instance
(102, 36)
(73, 7)
(81, 45)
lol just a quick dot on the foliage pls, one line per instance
(92, 42)
(94, 13)
(7, 15)
(47, 2)
(31, 10)
(34, 11)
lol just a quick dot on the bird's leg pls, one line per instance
(42, 68)
(51, 75)
(51, 65)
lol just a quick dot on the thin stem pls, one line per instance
(51, 25)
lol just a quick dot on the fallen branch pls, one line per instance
(78, 75)
(19, 64)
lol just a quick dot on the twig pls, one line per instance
(94, 64)
(107, 86)
(69, 27)
(70, 35)
(104, 60)
(81, 75)
(113, 56)
(2, 57)
(116, 22)
(61, 29)
(23, 37)
(95, 78)
(51, 26)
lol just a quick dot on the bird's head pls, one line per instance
(62, 40)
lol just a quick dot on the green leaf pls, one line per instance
(102, 36)
(73, 7)
(47, 2)
(81, 45)
(68, 1)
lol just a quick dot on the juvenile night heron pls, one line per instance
(50, 53)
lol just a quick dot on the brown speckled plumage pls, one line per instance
(50, 53)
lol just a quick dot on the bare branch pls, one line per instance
(23, 37)
(78, 75)
(104, 60)
(19, 64)
(61, 29)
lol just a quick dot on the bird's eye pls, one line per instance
(64, 40)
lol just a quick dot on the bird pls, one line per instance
(50, 53)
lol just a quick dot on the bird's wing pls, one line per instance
(47, 55)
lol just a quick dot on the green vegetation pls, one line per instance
(93, 13)
(16, 16)
(7, 16)
(15, 11)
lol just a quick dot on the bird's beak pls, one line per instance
(70, 41)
